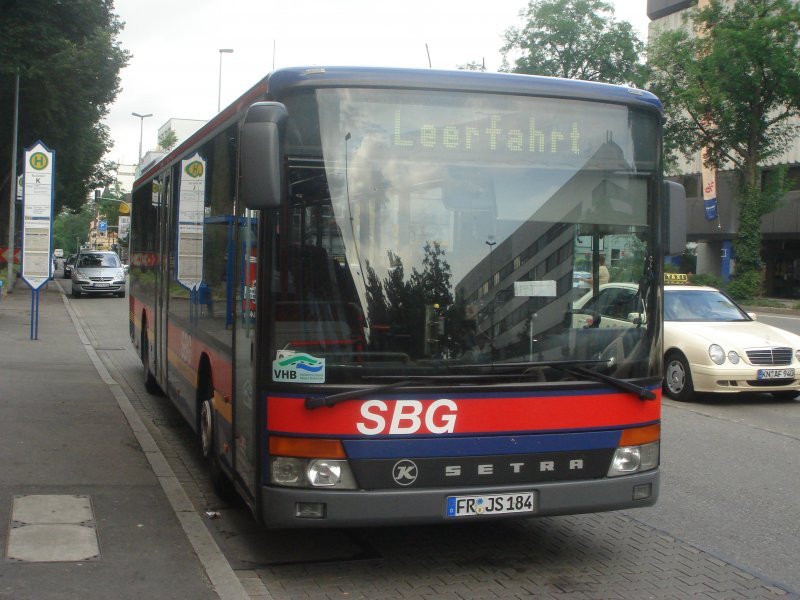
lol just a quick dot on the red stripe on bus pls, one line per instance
(471, 415)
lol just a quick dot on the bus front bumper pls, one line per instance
(280, 507)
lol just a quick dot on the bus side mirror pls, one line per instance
(261, 169)
(674, 217)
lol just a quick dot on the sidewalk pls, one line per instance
(83, 514)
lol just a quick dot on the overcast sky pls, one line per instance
(174, 70)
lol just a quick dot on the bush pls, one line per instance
(714, 281)
(745, 286)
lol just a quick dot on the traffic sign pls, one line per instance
(102, 226)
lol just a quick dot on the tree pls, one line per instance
(167, 140)
(576, 39)
(68, 60)
(730, 82)
(474, 66)
(70, 229)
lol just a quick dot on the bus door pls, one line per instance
(162, 278)
(245, 407)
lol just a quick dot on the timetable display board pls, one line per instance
(37, 210)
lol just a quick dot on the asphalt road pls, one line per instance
(730, 476)
(730, 494)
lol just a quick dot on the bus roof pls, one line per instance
(282, 82)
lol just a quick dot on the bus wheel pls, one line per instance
(208, 447)
(150, 383)
(678, 377)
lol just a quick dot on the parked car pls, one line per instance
(711, 345)
(69, 263)
(98, 272)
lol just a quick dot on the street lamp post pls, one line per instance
(141, 129)
(12, 195)
(219, 86)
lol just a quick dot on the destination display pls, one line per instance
(477, 128)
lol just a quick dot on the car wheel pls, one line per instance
(678, 377)
(75, 293)
(785, 395)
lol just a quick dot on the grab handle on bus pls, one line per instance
(261, 169)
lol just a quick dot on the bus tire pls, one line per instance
(678, 377)
(150, 383)
(207, 437)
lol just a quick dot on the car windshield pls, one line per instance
(700, 305)
(98, 260)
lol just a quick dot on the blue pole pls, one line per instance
(727, 254)
(35, 314)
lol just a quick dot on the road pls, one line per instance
(726, 518)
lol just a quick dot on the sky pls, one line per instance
(174, 71)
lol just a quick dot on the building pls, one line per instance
(780, 229)
(182, 128)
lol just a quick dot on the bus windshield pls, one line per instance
(439, 232)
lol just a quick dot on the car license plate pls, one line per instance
(97, 284)
(776, 373)
(491, 504)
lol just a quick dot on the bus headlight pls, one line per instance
(324, 473)
(290, 471)
(634, 459)
(287, 471)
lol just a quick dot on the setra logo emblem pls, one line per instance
(404, 472)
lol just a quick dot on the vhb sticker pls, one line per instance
(407, 416)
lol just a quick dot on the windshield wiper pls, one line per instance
(642, 392)
(496, 371)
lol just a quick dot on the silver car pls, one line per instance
(98, 272)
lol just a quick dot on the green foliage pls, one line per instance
(744, 287)
(730, 82)
(473, 66)
(737, 78)
(167, 140)
(68, 59)
(576, 39)
(70, 228)
(714, 281)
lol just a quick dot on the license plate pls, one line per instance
(491, 504)
(96, 284)
(776, 373)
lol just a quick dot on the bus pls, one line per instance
(358, 286)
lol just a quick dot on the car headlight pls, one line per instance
(733, 357)
(81, 277)
(716, 354)
(797, 355)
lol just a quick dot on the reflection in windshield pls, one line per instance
(98, 260)
(461, 232)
